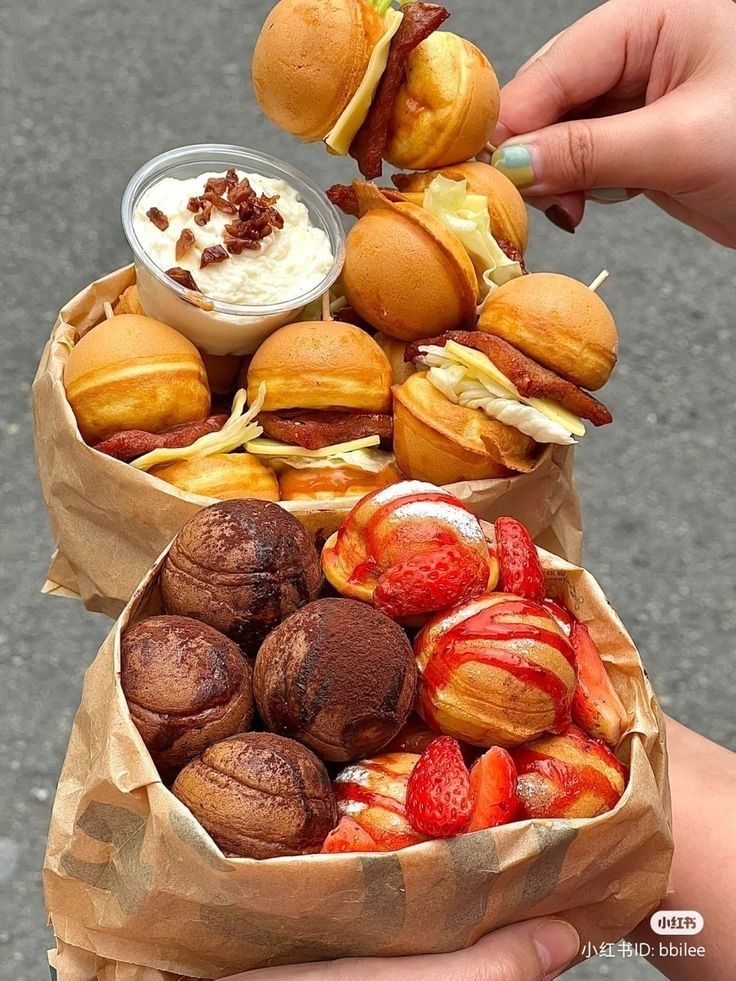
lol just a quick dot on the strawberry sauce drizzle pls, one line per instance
(448, 655)
(356, 792)
(569, 781)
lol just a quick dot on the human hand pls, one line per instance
(632, 97)
(535, 950)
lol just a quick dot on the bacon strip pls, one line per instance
(532, 380)
(132, 443)
(420, 20)
(314, 429)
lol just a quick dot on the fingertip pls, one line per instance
(500, 134)
(557, 943)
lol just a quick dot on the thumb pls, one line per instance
(644, 149)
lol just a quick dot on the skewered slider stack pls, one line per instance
(374, 81)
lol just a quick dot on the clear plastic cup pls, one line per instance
(214, 326)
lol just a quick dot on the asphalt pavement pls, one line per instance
(90, 90)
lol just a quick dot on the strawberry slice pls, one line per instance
(431, 581)
(439, 801)
(348, 836)
(520, 569)
(562, 615)
(493, 784)
(596, 706)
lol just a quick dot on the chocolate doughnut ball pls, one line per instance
(241, 566)
(187, 686)
(260, 796)
(338, 676)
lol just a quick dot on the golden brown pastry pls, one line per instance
(439, 441)
(557, 321)
(132, 372)
(224, 476)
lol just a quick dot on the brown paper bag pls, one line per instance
(110, 521)
(135, 888)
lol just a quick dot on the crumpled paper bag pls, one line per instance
(110, 521)
(136, 890)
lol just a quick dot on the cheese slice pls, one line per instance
(369, 461)
(558, 413)
(343, 133)
(272, 448)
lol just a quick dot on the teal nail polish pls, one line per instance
(608, 195)
(515, 162)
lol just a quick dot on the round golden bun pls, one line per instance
(407, 274)
(441, 442)
(225, 476)
(447, 107)
(309, 60)
(506, 206)
(321, 365)
(132, 372)
(325, 483)
(558, 322)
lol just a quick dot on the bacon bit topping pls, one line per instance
(256, 217)
(183, 277)
(158, 218)
(184, 243)
(213, 253)
(226, 207)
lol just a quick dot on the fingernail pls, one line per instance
(516, 163)
(608, 195)
(563, 219)
(557, 943)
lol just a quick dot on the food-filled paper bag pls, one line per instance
(135, 888)
(110, 521)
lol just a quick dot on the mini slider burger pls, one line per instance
(326, 410)
(485, 402)
(375, 81)
(418, 261)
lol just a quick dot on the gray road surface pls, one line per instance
(90, 90)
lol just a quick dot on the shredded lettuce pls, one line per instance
(469, 378)
(467, 216)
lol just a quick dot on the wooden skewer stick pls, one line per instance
(107, 307)
(599, 280)
(486, 153)
(326, 315)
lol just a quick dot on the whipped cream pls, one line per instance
(291, 261)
